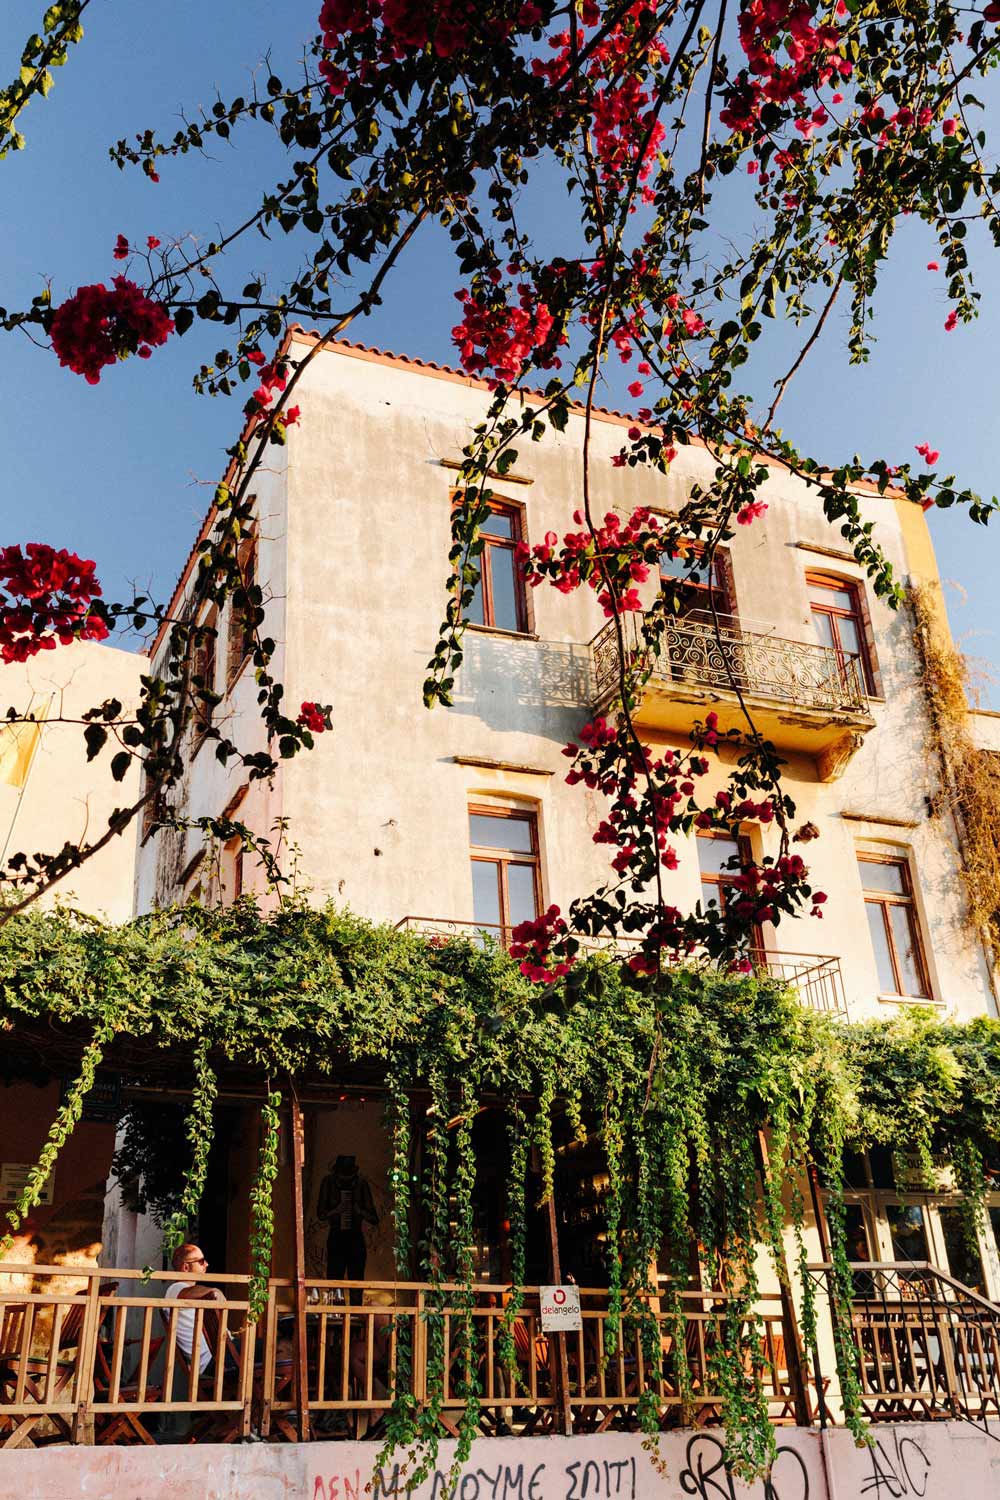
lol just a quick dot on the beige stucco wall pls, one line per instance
(207, 788)
(379, 808)
(65, 797)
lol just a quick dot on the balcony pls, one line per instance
(815, 976)
(803, 696)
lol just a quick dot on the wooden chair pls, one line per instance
(123, 1426)
(25, 1376)
(213, 1426)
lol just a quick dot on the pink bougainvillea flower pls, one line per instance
(121, 249)
(950, 321)
(636, 388)
(292, 416)
(932, 265)
(931, 455)
(314, 717)
(152, 243)
(46, 597)
(97, 327)
(949, 126)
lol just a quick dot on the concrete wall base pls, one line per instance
(918, 1461)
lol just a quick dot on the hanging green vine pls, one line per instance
(262, 1204)
(199, 1129)
(675, 1078)
(62, 1128)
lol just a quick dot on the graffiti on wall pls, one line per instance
(897, 1465)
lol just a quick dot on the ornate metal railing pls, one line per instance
(926, 1345)
(817, 979)
(694, 651)
(815, 976)
(443, 929)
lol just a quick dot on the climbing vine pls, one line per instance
(970, 786)
(677, 1076)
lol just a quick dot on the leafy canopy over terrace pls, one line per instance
(677, 1082)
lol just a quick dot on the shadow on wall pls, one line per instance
(534, 687)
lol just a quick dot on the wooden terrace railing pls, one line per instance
(100, 1357)
(927, 1345)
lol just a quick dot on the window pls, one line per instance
(715, 850)
(892, 922)
(505, 884)
(203, 660)
(964, 1263)
(840, 622)
(231, 871)
(696, 594)
(240, 639)
(500, 598)
(907, 1231)
(153, 809)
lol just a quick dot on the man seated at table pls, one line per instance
(188, 1260)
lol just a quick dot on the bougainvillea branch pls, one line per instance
(815, 124)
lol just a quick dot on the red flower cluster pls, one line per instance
(627, 550)
(813, 55)
(533, 943)
(626, 133)
(749, 513)
(46, 598)
(929, 454)
(314, 718)
(450, 27)
(96, 327)
(496, 337)
(768, 887)
(273, 377)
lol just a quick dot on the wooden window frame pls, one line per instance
(234, 847)
(722, 881)
(815, 579)
(152, 812)
(718, 579)
(482, 854)
(515, 511)
(205, 664)
(907, 900)
(240, 630)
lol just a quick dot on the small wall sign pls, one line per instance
(560, 1309)
(13, 1176)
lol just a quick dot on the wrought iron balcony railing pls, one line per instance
(815, 976)
(693, 651)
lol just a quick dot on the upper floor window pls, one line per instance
(892, 922)
(702, 594)
(500, 598)
(203, 664)
(240, 637)
(715, 850)
(839, 621)
(505, 874)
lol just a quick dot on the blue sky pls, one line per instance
(120, 471)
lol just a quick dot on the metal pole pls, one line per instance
(557, 1341)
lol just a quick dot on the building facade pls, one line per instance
(459, 818)
(460, 821)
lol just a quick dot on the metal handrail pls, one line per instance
(817, 975)
(698, 652)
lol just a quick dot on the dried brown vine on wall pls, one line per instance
(971, 776)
